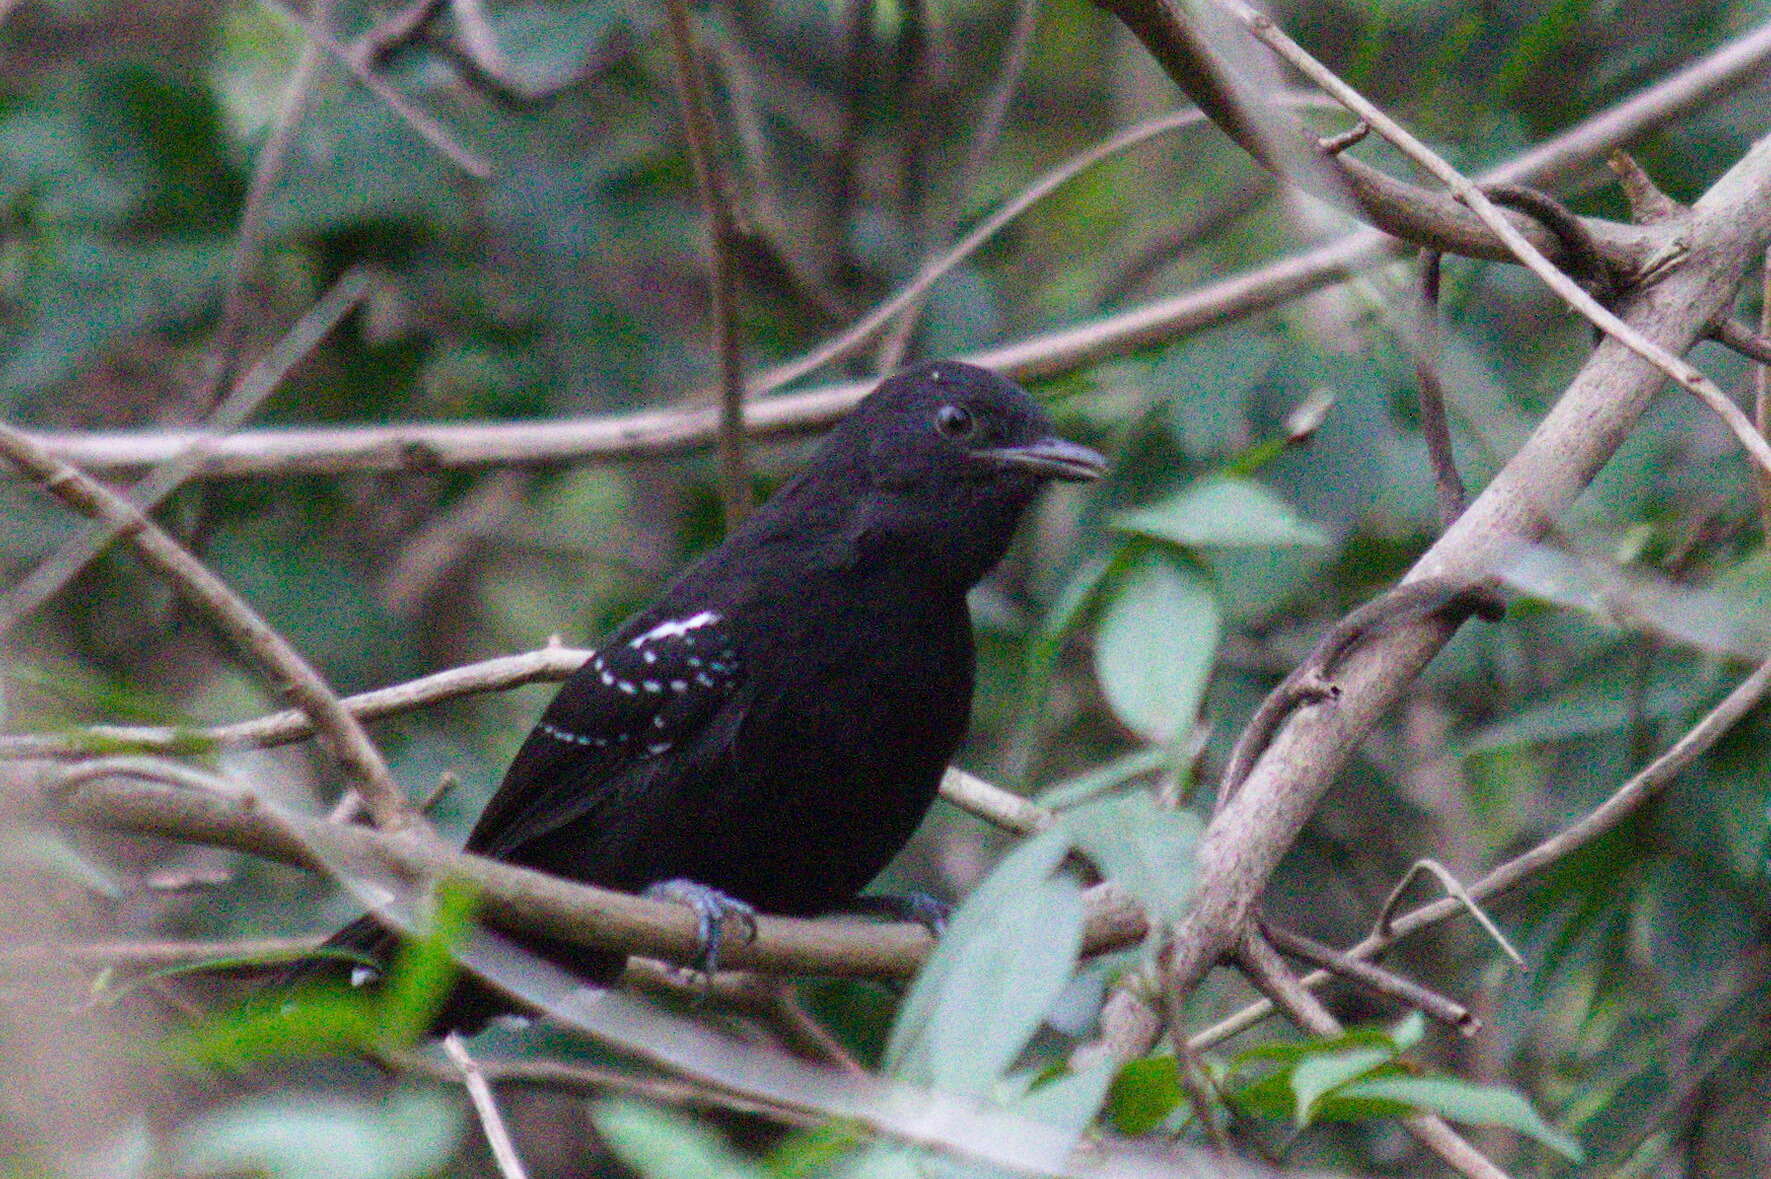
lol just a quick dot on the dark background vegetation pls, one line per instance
(574, 282)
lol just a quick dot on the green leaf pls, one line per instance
(330, 1022)
(1469, 1103)
(1144, 1094)
(1046, 644)
(1154, 648)
(1005, 957)
(1313, 1079)
(1409, 1031)
(664, 1145)
(424, 972)
(1292, 1051)
(1078, 790)
(1069, 1100)
(1222, 512)
(1140, 845)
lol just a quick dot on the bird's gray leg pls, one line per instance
(926, 910)
(713, 909)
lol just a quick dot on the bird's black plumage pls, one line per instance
(776, 725)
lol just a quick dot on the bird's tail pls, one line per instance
(356, 955)
(360, 954)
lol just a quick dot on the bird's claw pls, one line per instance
(713, 909)
(928, 911)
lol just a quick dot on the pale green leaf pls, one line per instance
(1222, 512)
(1154, 648)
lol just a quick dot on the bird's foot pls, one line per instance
(927, 911)
(713, 909)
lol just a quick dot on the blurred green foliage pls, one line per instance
(573, 282)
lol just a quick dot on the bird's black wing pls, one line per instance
(641, 700)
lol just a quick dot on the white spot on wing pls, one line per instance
(675, 628)
(363, 975)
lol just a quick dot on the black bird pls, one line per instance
(772, 730)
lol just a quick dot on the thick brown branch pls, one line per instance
(1274, 138)
(522, 900)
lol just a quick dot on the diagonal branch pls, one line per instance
(1248, 836)
(260, 642)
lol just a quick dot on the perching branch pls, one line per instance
(525, 901)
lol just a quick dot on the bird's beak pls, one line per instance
(1054, 458)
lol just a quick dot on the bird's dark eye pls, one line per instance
(955, 421)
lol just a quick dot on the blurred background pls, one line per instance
(1269, 475)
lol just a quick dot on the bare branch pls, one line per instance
(1393, 986)
(1448, 485)
(323, 450)
(428, 129)
(258, 383)
(1625, 801)
(1457, 892)
(1254, 828)
(550, 664)
(1471, 194)
(504, 1151)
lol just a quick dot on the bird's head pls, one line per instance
(946, 423)
(952, 455)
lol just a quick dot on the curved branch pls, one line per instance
(250, 633)
(1187, 52)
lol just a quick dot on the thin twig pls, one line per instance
(597, 1081)
(1755, 346)
(722, 235)
(258, 383)
(1458, 893)
(396, 31)
(1423, 999)
(1448, 485)
(990, 120)
(504, 1151)
(1678, 369)
(993, 804)
(428, 129)
(804, 1034)
(1268, 972)
(261, 643)
(151, 954)
(546, 665)
(267, 170)
(857, 334)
